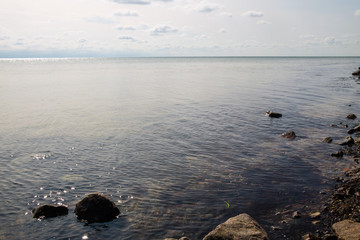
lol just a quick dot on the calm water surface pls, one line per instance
(180, 144)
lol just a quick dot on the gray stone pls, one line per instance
(49, 211)
(96, 208)
(347, 230)
(240, 227)
(273, 114)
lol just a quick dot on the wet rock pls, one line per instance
(273, 114)
(351, 116)
(184, 238)
(296, 214)
(357, 140)
(348, 141)
(339, 154)
(309, 237)
(315, 215)
(356, 73)
(347, 230)
(289, 135)
(49, 211)
(96, 208)
(327, 140)
(240, 227)
(351, 131)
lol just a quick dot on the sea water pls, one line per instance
(179, 144)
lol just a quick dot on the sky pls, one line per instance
(156, 28)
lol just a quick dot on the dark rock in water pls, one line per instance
(273, 114)
(238, 228)
(348, 141)
(49, 211)
(355, 129)
(327, 140)
(339, 154)
(290, 135)
(296, 215)
(356, 73)
(96, 208)
(351, 116)
(351, 131)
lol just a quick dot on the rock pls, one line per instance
(96, 208)
(290, 135)
(309, 237)
(356, 73)
(49, 211)
(339, 154)
(348, 141)
(273, 114)
(240, 227)
(315, 215)
(347, 230)
(184, 238)
(357, 140)
(351, 131)
(296, 214)
(351, 116)
(327, 140)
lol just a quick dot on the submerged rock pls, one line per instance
(49, 211)
(240, 227)
(351, 116)
(290, 135)
(339, 154)
(96, 208)
(348, 141)
(356, 73)
(273, 114)
(327, 140)
(347, 230)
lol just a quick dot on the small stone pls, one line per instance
(296, 214)
(275, 228)
(327, 140)
(273, 114)
(315, 215)
(351, 116)
(351, 131)
(356, 73)
(348, 141)
(184, 238)
(315, 222)
(339, 154)
(289, 135)
(49, 211)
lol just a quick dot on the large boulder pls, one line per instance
(240, 227)
(49, 211)
(347, 230)
(96, 208)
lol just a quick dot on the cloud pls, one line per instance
(222, 30)
(126, 28)
(205, 7)
(126, 38)
(164, 29)
(263, 22)
(253, 14)
(331, 41)
(127, 13)
(357, 13)
(82, 41)
(136, 2)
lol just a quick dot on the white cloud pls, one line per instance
(164, 29)
(127, 13)
(101, 20)
(222, 30)
(126, 38)
(253, 14)
(125, 28)
(136, 2)
(263, 22)
(205, 7)
(226, 14)
(357, 13)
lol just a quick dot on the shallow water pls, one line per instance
(180, 144)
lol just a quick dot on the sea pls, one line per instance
(179, 144)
